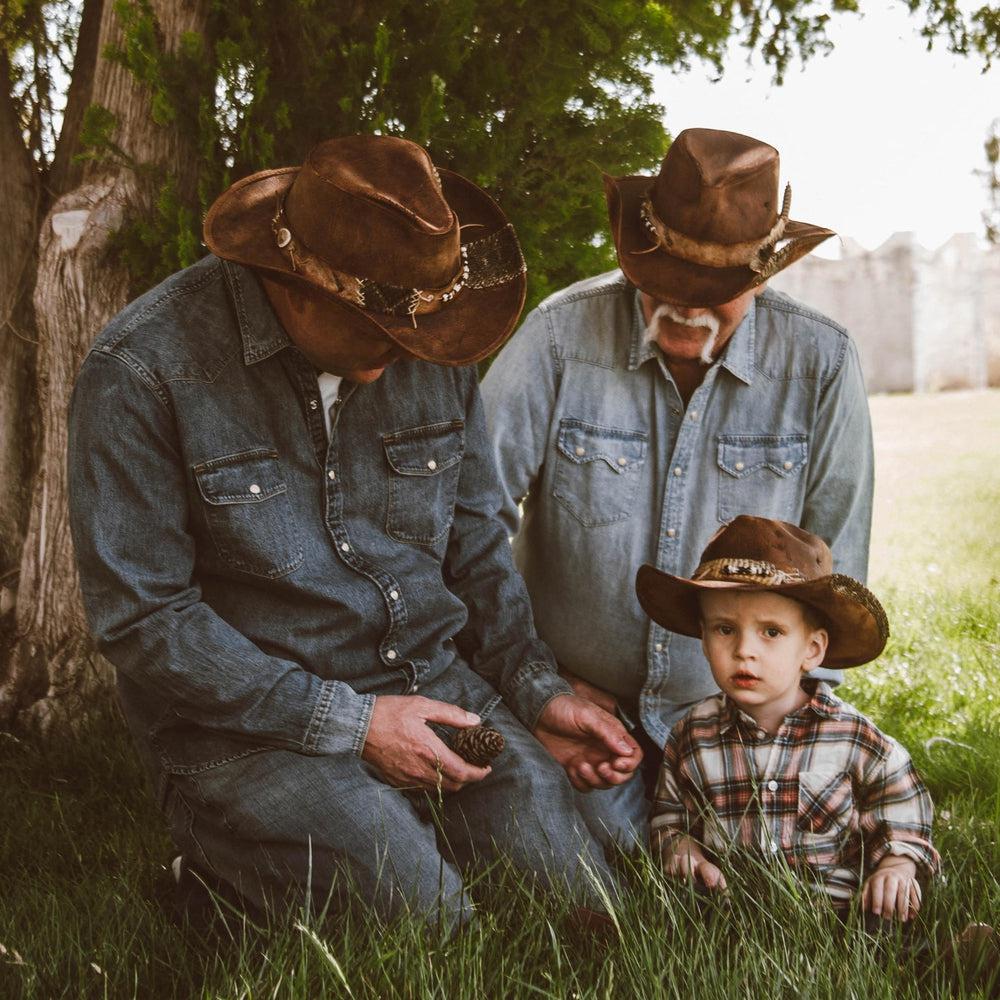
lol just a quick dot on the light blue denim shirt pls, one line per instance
(590, 432)
(257, 583)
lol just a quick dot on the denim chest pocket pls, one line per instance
(249, 516)
(761, 474)
(597, 471)
(425, 463)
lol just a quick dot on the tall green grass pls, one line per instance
(83, 853)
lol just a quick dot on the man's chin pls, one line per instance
(363, 375)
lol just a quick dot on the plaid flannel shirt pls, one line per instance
(829, 793)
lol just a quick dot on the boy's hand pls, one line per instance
(892, 890)
(686, 861)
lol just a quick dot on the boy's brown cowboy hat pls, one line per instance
(707, 227)
(757, 553)
(397, 248)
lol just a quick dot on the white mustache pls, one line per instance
(707, 321)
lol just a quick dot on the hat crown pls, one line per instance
(372, 206)
(716, 186)
(788, 548)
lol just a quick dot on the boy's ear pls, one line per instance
(819, 639)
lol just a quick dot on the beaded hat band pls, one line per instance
(485, 263)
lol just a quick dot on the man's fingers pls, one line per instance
(611, 776)
(444, 713)
(611, 733)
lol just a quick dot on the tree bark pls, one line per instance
(56, 675)
(19, 217)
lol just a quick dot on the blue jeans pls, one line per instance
(282, 827)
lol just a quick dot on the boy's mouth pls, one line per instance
(745, 679)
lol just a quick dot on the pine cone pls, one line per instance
(478, 745)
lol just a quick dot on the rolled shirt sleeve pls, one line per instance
(128, 517)
(896, 813)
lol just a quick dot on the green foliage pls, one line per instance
(530, 100)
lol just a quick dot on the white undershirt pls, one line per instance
(329, 387)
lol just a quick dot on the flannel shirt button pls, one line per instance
(772, 785)
(774, 847)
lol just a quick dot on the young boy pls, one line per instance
(776, 763)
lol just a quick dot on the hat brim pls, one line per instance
(672, 279)
(467, 329)
(858, 626)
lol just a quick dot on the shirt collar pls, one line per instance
(738, 357)
(823, 703)
(262, 334)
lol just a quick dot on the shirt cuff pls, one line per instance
(530, 689)
(927, 860)
(340, 720)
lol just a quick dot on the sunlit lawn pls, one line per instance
(82, 850)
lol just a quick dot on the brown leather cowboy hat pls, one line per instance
(397, 248)
(758, 553)
(706, 228)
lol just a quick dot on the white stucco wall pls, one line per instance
(923, 320)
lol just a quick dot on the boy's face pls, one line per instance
(758, 646)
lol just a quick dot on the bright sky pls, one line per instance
(877, 137)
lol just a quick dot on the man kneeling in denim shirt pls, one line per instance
(284, 509)
(636, 412)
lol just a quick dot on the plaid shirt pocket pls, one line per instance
(826, 803)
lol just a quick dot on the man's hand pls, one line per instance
(685, 860)
(409, 753)
(892, 890)
(584, 689)
(591, 745)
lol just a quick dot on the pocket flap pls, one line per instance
(249, 477)
(741, 455)
(581, 443)
(425, 451)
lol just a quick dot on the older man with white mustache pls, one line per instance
(634, 413)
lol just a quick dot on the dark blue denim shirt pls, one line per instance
(257, 584)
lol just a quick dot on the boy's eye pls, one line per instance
(771, 632)
(724, 629)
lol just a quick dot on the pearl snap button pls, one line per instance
(394, 595)
(254, 489)
(678, 471)
(740, 466)
(671, 532)
(313, 404)
(772, 785)
(623, 461)
(344, 547)
(774, 848)
(787, 465)
(580, 451)
(391, 655)
(331, 474)
(694, 414)
(432, 465)
(659, 647)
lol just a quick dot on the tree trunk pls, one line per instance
(55, 672)
(19, 215)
